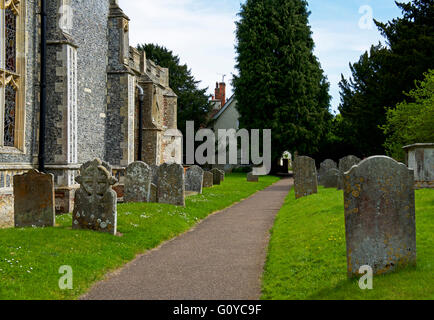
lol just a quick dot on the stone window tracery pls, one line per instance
(11, 74)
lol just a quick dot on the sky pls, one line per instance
(202, 34)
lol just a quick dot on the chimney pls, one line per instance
(220, 92)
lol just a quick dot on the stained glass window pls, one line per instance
(9, 123)
(10, 40)
(11, 73)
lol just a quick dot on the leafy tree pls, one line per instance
(411, 122)
(280, 85)
(193, 103)
(380, 77)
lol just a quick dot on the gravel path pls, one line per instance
(222, 258)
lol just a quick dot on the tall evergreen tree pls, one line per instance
(280, 85)
(380, 77)
(193, 102)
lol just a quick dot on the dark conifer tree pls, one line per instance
(280, 85)
(380, 78)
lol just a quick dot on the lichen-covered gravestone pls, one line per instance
(325, 166)
(171, 185)
(208, 179)
(330, 179)
(34, 200)
(379, 216)
(194, 179)
(217, 176)
(95, 201)
(345, 164)
(138, 182)
(252, 178)
(305, 177)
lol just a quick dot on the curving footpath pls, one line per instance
(222, 258)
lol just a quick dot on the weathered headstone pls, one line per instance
(34, 200)
(95, 201)
(325, 166)
(330, 178)
(208, 179)
(305, 177)
(345, 164)
(379, 216)
(138, 182)
(171, 185)
(194, 179)
(154, 193)
(222, 172)
(154, 169)
(252, 178)
(217, 176)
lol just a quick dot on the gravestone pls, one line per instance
(171, 185)
(154, 169)
(34, 200)
(222, 173)
(305, 177)
(379, 216)
(345, 164)
(138, 182)
(95, 201)
(217, 176)
(154, 194)
(252, 178)
(325, 166)
(208, 179)
(330, 179)
(194, 179)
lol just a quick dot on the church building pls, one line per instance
(104, 99)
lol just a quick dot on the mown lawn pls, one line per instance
(30, 258)
(307, 254)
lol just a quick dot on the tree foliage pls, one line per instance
(193, 102)
(280, 85)
(380, 77)
(411, 122)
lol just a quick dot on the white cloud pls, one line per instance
(337, 44)
(203, 35)
(203, 39)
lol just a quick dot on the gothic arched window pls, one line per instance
(11, 73)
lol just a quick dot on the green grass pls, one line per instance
(30, 258)
(307, 254)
